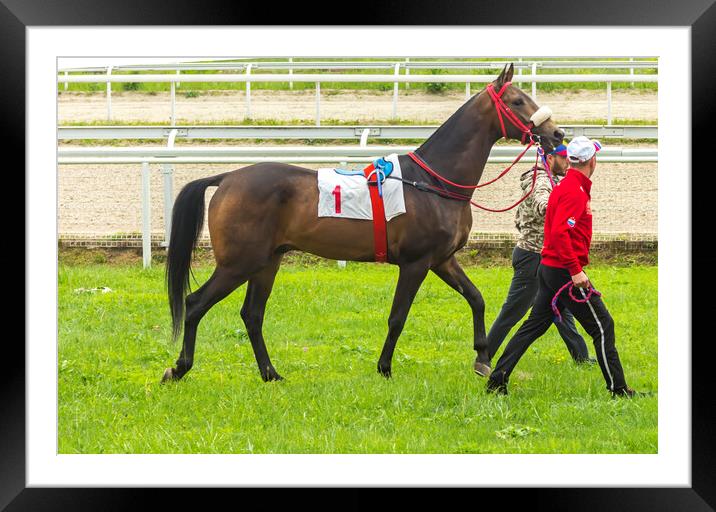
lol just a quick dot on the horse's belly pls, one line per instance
(338, 239)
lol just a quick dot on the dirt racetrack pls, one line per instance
(345, 106)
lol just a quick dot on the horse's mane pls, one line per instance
(449, 125)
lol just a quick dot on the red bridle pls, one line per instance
(502, 108)
(526, 130)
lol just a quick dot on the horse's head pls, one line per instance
(526, 110)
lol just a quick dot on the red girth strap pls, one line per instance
(380, 231)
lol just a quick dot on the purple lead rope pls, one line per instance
(540, 152)
(570, 285)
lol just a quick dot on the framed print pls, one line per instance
(103, 386)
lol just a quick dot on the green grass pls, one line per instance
(324, 330)
(318, 142)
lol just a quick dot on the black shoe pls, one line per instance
(628, 392)
(495, 387)
(586, 361)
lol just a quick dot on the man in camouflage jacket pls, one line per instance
(526, 257)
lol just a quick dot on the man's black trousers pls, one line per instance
(592, 315)
(523, 290)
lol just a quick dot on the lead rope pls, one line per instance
(455, 195)
(522, 199)
(570, 286)
(418, 160)
(541, 154)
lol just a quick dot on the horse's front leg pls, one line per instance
(409, 280)
(451, 272)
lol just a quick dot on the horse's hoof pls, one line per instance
(482, 369)
(385, 372)
(272, 377)
(168, 375)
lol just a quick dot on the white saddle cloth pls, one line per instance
(352, 199)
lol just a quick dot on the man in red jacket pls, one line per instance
(567, 236)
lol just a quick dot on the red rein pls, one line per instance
(455, 195)
(501, 109)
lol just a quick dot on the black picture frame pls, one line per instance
(16, 15)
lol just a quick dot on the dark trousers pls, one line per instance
(523, 290)
(592, 315)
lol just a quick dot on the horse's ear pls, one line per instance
(501, 78)
(509, 71)
(505, 75)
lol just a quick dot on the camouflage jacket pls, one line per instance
(529, 218)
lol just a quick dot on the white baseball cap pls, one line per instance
(582, 149)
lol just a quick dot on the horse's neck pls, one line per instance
(459, 149)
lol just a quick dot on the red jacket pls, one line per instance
(568, 224)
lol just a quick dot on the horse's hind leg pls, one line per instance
(221, 283)
(451, 272)
(252, 312)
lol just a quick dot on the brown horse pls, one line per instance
(262, 211)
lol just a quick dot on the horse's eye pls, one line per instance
(518, 101)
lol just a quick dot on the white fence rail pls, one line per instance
(405, 63)
(249, 77)
(296, 154)
(66, 133)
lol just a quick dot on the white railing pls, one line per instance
(297, 154)
(318, 132)
(405, 63)
(395, 78)
(350, 77)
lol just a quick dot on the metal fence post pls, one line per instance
(109, 94)
(66, 83)
(178, 83)
(631, 70)
(467, 90)
(407, 72)
(146, 218)
(248, 92)
(318, 103)
(168, 174)
(364, 137)
(395, 91)
(534, 84)
(290, 72)
(609, 103)
(173, 95)
(519, 72)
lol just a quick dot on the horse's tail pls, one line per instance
(187, 223)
